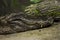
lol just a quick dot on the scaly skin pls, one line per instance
(19, 22)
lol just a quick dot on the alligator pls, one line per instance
(20, 22)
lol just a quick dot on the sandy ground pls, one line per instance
(50, 33)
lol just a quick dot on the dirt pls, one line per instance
(50, 33)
